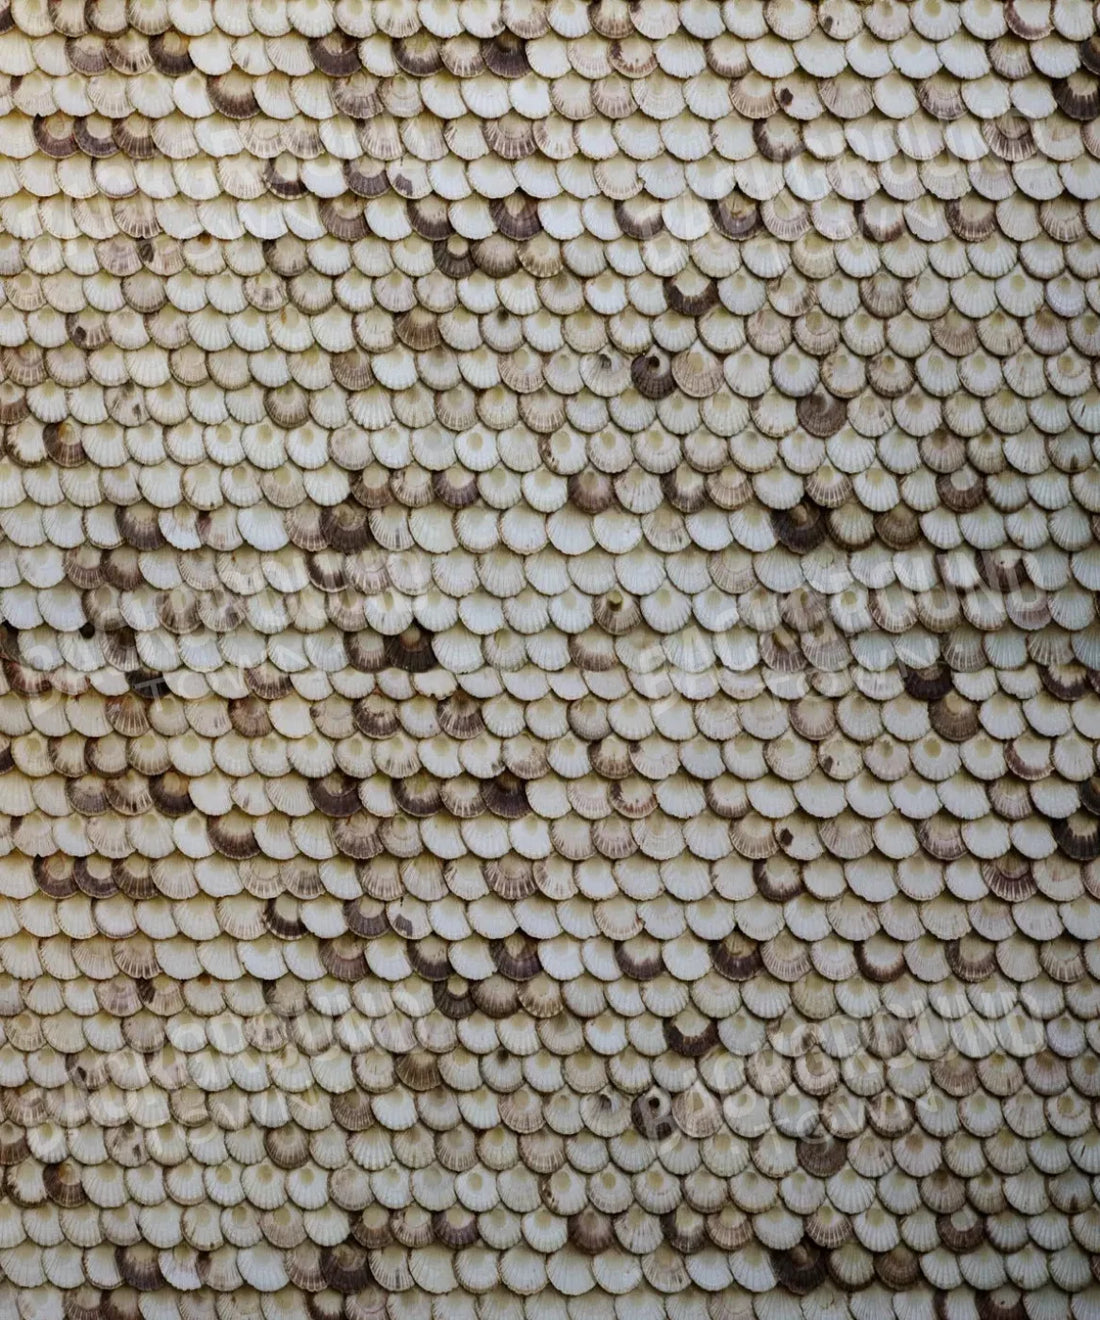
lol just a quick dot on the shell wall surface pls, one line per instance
(550, 675)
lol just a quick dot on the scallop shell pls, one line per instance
(562, 538)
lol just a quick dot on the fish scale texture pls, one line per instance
(549, 671)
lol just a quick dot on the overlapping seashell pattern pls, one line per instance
(551, 678)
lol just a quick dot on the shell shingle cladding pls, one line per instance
(550, 673)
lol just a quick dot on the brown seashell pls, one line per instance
(822, 1155)
(170, 54)
(516, 958)
(346, 1268)
(801, 1269)
(736, 958)
(898, 1268)
(337, 55)
(931, 685)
